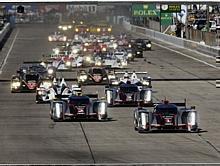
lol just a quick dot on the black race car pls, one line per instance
(95, 75)
(25, 83)
(27, 78)
(143, 44)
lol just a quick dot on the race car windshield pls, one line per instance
(128, 89)
(166, 110)
(139, 41)
(97, 71)
(31, 77)
(79, 101)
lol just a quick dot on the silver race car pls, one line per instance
(129, 91)
(166, 116)
(79, 107)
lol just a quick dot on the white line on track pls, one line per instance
(188, 56)
(9, 51)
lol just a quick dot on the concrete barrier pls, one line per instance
(4, 33)
(180, 42)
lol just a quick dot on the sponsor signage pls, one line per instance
(170, 8)
(144, 10)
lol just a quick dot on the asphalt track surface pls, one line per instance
(28, 136)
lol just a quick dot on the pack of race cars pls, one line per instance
(97, 57)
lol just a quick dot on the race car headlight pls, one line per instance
(64, 38)
(104, 49)
(88, 58)
(115, 83)
(129, 55)
(83, 77)
(50, 38)
(148, 45)
(145, 83)
(77, 30)
(123, 63)
(115, 45)
(48, 84)
(69, 26)
(192, 118)
(111, 76)
(56, 51)
(68, 63)
(84, 49)
(75, 51)
(43, 64)
(15, 84)
(98, 29)
(50, 71)
(98, 63)
(109, 29)
(65, 28)
(41, 92)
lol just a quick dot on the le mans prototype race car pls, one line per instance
(95, 75)
(166, 116)
(143, 44)
(79, 107)
(129, 91)
(48, 90)
(27, 78)
(57, 37)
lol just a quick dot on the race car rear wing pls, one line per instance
(130, 72)
(37, 62)
(93, 96)
(178, 104)
(139, 38)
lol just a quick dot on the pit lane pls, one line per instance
(28, 136)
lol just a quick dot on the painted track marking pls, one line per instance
(9, 51)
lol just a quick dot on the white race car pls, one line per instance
(57, 37)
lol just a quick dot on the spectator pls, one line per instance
(178, 29)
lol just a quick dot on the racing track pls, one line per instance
(28, 136)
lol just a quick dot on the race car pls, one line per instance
(101, 29)
(27, 78)
(91, 47)
(138, 52)
(25, 83)
(129, 91)
(120, 53)
(143, 44)
(130, 54)
(67, 62)
(48, 91)
(81, 29)
(57, 37)
(109, 60)
(166, 116)
(79, 107)
(65, 26)
(95, 75)
(42, 91)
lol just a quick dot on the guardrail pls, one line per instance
(180, 42)
(4, 34)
